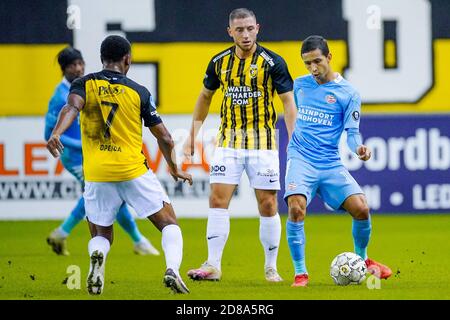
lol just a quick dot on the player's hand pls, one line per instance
(188, 148)
(181, 175)
(364, 153)
(55, 146)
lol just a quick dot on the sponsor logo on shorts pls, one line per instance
(273, 180)
(269, 173)
(218, 170)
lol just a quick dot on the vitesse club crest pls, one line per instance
(253, 70)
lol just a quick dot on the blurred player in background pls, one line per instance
(113, 109)
(248, 75)
(72, 66)
(327, 105)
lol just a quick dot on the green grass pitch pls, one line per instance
(415, 247)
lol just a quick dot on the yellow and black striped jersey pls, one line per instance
(111, 125)
(247, 113)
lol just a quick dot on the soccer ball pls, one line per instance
(348, 268)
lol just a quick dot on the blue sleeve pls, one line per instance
(354, 139)
(353, 112)
(70, 142)
(296, 89)
(55, 105)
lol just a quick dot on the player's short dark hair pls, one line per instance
(67, 56)
(241, 13)
(114, 48)
(315, 42)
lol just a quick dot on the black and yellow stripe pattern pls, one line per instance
(247, 113)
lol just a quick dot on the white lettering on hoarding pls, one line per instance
(426, 150)
(431, 196)
(33, 185)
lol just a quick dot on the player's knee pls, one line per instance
(268, 206)
(164, 217)
(216, 201)
(297, 211)
(160, 221)
(361, 212)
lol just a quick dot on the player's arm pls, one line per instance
(354, 142)
(166, 145)
(201, 110)
(351, 125)
(65, 119)
(290, 111)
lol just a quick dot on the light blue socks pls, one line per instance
(296, 241)
(361, 234)
(74, 218)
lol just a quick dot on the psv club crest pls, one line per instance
(330, 98)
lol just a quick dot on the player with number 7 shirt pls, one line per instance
(112, 110)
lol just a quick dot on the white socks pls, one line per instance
(270, 234)
(217, 231)
(99, 243)
(172, 244)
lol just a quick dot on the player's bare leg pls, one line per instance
(217, 231)
(357, 206)
(98, 247)
(172, 244)
(269, 231)
(296, 237)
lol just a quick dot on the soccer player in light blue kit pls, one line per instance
(327, 105)
(72, 66)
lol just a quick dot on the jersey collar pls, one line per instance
(338, 78)
(257, 51)
(65, 82)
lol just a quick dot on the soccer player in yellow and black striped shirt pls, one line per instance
(248, 76)
(113, 110)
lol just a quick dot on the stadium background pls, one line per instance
(397, 58)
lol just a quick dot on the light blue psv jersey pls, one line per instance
(71, 139)
(324, 112)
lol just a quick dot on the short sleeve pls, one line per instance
(211, 80)
(78, 87)
(149, 113)
(353, 112)
(296, 92)
(281, 78)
